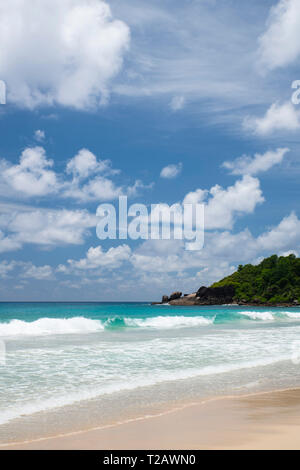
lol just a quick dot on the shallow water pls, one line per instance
(73, 366)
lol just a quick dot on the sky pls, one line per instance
(163, 102)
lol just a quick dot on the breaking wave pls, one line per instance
(81, 325)
(169, 322)
(50, 326)
(264, 316)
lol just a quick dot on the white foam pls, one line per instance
(58, 401)
(293, 315)
(50, 326)
(169, 322)
(263, 316)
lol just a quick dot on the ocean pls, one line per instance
(74, 366)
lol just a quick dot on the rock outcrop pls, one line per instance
(275, 282)
(215, 295)
(175, 296)
(204, 296)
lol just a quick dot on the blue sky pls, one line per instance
(166, 102)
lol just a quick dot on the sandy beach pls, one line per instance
(261, 421)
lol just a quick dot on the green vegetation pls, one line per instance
(275, 280)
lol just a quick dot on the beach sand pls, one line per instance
(261, 421)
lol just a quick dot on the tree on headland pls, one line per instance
(275, 280)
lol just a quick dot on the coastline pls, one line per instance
(182, 303)
(263, 420)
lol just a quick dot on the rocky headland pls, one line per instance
(204, 296)
(273, 282)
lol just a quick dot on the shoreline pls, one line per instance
(183, 303)
(258, 420)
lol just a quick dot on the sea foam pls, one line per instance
(50, 326)
(169, 322)
(264, 316)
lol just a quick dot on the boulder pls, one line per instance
(175, 296)
(215, 295)
(202, 291)
(165, 299)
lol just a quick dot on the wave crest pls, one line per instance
(169, 322)
(264, 316)
(50, 326)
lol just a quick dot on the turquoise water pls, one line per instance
(70, 365)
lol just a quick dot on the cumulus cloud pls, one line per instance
(6, 267)
(285, 236)
(156, 264)
(246, 165)
(61, 227)
(31, 271)
(279, 45)
(222, 206)
(8, 243)
(97, 258)
(85, 163)
(83, 166)
(62, 53)
(283, 117)
(43, 227)
(26, 270)
(171, 171)
(223, 252)
(85, 178)
(32, 176)
(99, 189)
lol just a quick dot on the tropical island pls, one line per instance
(273, 282)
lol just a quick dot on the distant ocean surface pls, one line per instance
(77, 365)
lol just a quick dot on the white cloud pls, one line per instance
(85, 185)
(177, 103)
(6, 267)
(222, 253)
(26, 270)
(286, 236)
(246, 165)
(45, 227)
(222, 206)
(217, 259)
(97, 189)
(85, 164)
(39, 135)
(31, 176)
(171, 171)
(97, 258)
(156, 264)
(8, 243)
(279, 45)
(196, 197)
(62, 52)
(37, 272)
(283, 117)
(85, 178)
(134, 190)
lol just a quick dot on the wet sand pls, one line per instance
(262, 421)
